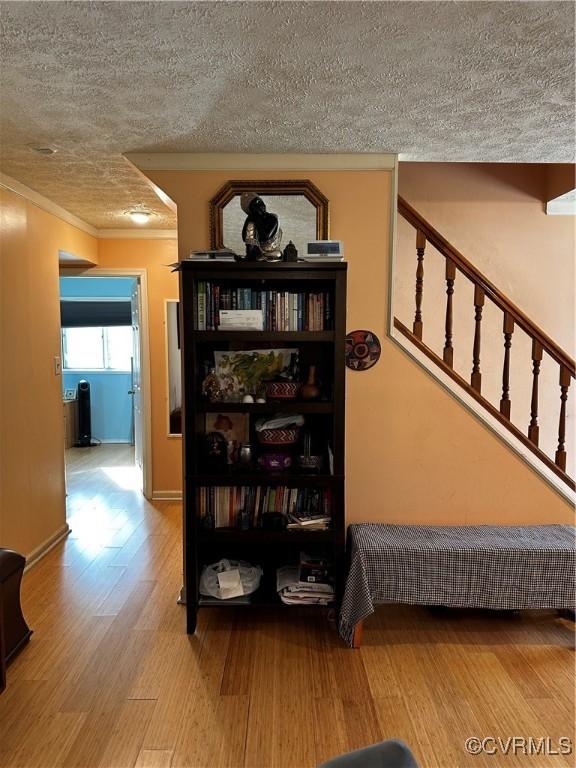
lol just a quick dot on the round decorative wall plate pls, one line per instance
(362, 350)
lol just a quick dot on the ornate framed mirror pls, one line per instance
(301, 208)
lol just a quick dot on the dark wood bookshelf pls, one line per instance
(324, 419)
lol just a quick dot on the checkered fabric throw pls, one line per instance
(479, 566)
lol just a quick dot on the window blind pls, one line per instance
(86, 314)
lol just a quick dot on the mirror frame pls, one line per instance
(277, 187)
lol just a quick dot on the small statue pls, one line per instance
(290, 252)
(261, 231)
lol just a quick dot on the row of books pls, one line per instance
(281, 310)
(243, 506)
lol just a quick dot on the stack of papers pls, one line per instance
(220, 254)
(292, 591)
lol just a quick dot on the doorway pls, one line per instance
(105, 346)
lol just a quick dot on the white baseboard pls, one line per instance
(166, 495)
(123, 442)
(38, 553)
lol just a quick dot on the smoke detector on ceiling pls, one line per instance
(43, 149)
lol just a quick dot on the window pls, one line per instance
(108, 349)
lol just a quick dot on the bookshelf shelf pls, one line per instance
(286, 337)
(262, 598)
(261, 536)
(215, 494)
(288, 406)
(293, 479)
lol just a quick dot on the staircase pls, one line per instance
(523, 427)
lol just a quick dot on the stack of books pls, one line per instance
(309, 522)
(292, 591)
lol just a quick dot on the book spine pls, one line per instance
(216, 307)
(286, 311)
(201, 299)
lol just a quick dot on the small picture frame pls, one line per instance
(70, 394)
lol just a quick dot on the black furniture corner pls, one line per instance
(14, 632)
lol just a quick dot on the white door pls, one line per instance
(136, 388)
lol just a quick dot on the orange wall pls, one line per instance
(413, 454)
(495, 215)
(32, 495)
(155, 256)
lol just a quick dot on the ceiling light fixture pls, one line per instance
(140, 216)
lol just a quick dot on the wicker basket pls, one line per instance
(287, 436)
(282, 390)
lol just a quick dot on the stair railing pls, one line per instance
(512, 317)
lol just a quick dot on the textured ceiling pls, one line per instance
(470, 81)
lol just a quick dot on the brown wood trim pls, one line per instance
(357, 635)
(495, 295)
(267, 187)
(485, 403)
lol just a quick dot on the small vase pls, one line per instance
(310, 391)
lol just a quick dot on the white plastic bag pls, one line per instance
(224, 589)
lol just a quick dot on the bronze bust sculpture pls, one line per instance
(261, 231)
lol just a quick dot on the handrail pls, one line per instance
(474, 274)
(512, 316)
(494, 412)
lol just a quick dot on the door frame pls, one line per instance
(141, 275)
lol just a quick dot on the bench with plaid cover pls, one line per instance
(477, 566)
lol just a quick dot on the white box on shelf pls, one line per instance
(241, 319)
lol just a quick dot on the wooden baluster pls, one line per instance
(420, 246)
(534, 429)
(507, 330)
(450, 277)
(476, 377)
(564, 384)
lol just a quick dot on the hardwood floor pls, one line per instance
(111, 680)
